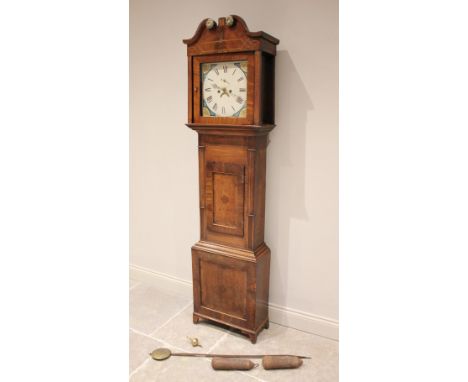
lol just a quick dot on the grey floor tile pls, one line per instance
(323, 367)
(140, 346)
(175, 332)
(151, 307)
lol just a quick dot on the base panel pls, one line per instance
(231, 288)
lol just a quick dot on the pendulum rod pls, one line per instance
(164, 353)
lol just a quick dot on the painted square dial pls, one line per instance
(224, 89)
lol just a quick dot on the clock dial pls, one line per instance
(224, 89)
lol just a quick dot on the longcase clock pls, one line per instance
(231, 107)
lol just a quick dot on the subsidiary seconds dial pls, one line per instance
(224, 87)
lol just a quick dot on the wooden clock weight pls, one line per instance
(231, 107)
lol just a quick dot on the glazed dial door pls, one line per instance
(224, 89)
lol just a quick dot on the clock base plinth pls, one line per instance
(231, 286)
(251, 334)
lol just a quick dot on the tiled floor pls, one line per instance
(160, 318)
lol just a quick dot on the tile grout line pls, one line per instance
(154, 331)
(134, 286)
(252, 376)
(140, 366)
(217, 342)
(171, 318)
(165, 343)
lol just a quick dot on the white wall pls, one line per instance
(302, 167)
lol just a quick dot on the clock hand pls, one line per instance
(224, 92)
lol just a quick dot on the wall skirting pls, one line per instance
(281, 315)
(304, 321)
(163, 280)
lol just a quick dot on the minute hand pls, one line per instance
(236, 95)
